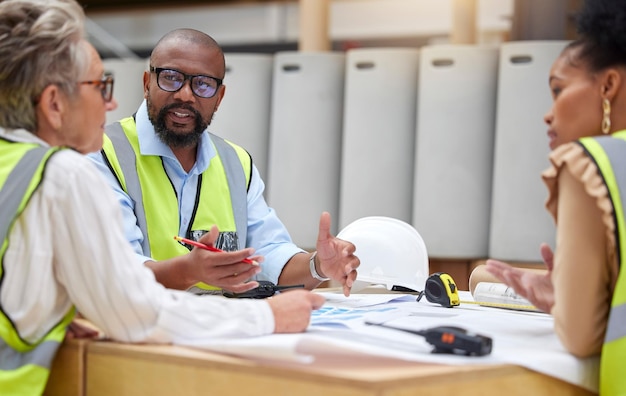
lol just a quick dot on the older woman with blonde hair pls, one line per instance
(62, 239)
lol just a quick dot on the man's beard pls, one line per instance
(170, 137)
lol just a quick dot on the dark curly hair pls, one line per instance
(601, 25)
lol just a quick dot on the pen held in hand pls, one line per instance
(208, 247)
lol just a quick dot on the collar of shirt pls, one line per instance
(21, 136)
(150, 144)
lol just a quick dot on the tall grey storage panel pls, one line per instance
(305, 140)
(454, 149)
(379, 134)
(519, 221)
(243, 117)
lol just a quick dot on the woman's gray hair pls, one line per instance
(40, 45)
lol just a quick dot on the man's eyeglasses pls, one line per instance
(105, 85)
(171, 80)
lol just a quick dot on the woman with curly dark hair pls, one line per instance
(583, 287)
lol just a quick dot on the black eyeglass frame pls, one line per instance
(106, 86)
(186, 77)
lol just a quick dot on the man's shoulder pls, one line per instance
(238, 148)
(119, 125)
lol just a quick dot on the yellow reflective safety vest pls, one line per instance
(221, 198)
(24, 366)
(609, 153)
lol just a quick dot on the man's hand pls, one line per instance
(336, 256)
(222, 269)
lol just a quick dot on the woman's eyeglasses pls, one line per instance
(105, 85)
(171, 80)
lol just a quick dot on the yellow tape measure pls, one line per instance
(441, 289)
(518, 307)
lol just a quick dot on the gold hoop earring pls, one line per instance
(606, 116)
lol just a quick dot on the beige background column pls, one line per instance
(314, 15)
(463, 22)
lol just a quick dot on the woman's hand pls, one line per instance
(535, 286)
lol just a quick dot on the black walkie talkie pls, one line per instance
(451, 339)
(264, 290)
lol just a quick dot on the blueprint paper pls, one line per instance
(522, 338)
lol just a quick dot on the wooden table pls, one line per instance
(67, 375)
(106, 368)
(122, 369)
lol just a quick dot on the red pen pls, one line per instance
(210, 248)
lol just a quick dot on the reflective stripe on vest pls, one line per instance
(616, 327)
(24, 367)
(15, 186)
(128, 162)
(235, 177)
(609, 153)
(616, 152)
(237, 186)
(42, 355)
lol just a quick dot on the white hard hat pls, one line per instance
(392, 253)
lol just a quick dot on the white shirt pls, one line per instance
(68, 246)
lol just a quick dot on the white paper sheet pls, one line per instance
(522, 338)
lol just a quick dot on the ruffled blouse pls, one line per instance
(585, 263)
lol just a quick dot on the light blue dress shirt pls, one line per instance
(266, 233)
